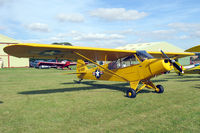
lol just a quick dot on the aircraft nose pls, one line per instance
(167, 65)
(160, 66)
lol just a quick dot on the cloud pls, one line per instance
(109, 40)
(163, 35)
(185, 26)
(80, 36)
(190, 30)
(70, 17)
(162, 32)
(109, 43)
(40, 27)
(97, 36)
(196, 34)
(84, 39)
(157, 34)
(122, 32)
(183, 37)
(112, 14)
(43, 40)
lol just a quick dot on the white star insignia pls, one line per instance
(97, 73)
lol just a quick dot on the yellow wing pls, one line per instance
(193, 49)
(32, 50)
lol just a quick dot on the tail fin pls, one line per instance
(67, 63)
(81, 66)
(177, 71)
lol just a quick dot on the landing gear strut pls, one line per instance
(131, 93)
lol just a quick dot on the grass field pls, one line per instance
(46, 101)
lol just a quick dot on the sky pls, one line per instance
(102, 23)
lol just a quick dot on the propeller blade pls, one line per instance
(177, 67)
(165, 55)
(173, 62)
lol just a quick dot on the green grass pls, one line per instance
(46, 101)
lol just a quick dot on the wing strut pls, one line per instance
(100, 66)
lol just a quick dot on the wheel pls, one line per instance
(161, 89)
(131, 93)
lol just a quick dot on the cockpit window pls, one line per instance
(130, 60)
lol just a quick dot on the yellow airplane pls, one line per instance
(120, 65)
(191, 69)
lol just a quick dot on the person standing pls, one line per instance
(1, 63)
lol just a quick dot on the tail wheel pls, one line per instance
(161, 89)
(131, 93)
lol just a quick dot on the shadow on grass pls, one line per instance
(189, 80)
(1, 102)
(197, 86)
(120, 86)
(55, 90)
(183, 76)
(91, 86)
(157, 81)
(146, 91)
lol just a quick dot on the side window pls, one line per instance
(130, 60)
(123, 62)
(112, 65)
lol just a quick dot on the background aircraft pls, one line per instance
(52, 64)
(191, 69)
(193, 49)
(140, 66)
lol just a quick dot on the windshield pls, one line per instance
(142, 54)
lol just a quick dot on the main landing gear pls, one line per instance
(160, 89)
(131, 93)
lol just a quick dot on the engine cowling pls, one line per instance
(160, 66)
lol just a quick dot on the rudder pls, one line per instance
(81, 66)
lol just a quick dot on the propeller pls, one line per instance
(173, 62)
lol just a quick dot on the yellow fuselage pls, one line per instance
(145, 70)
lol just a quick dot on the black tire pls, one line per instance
(161, 89)
(131, 93)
